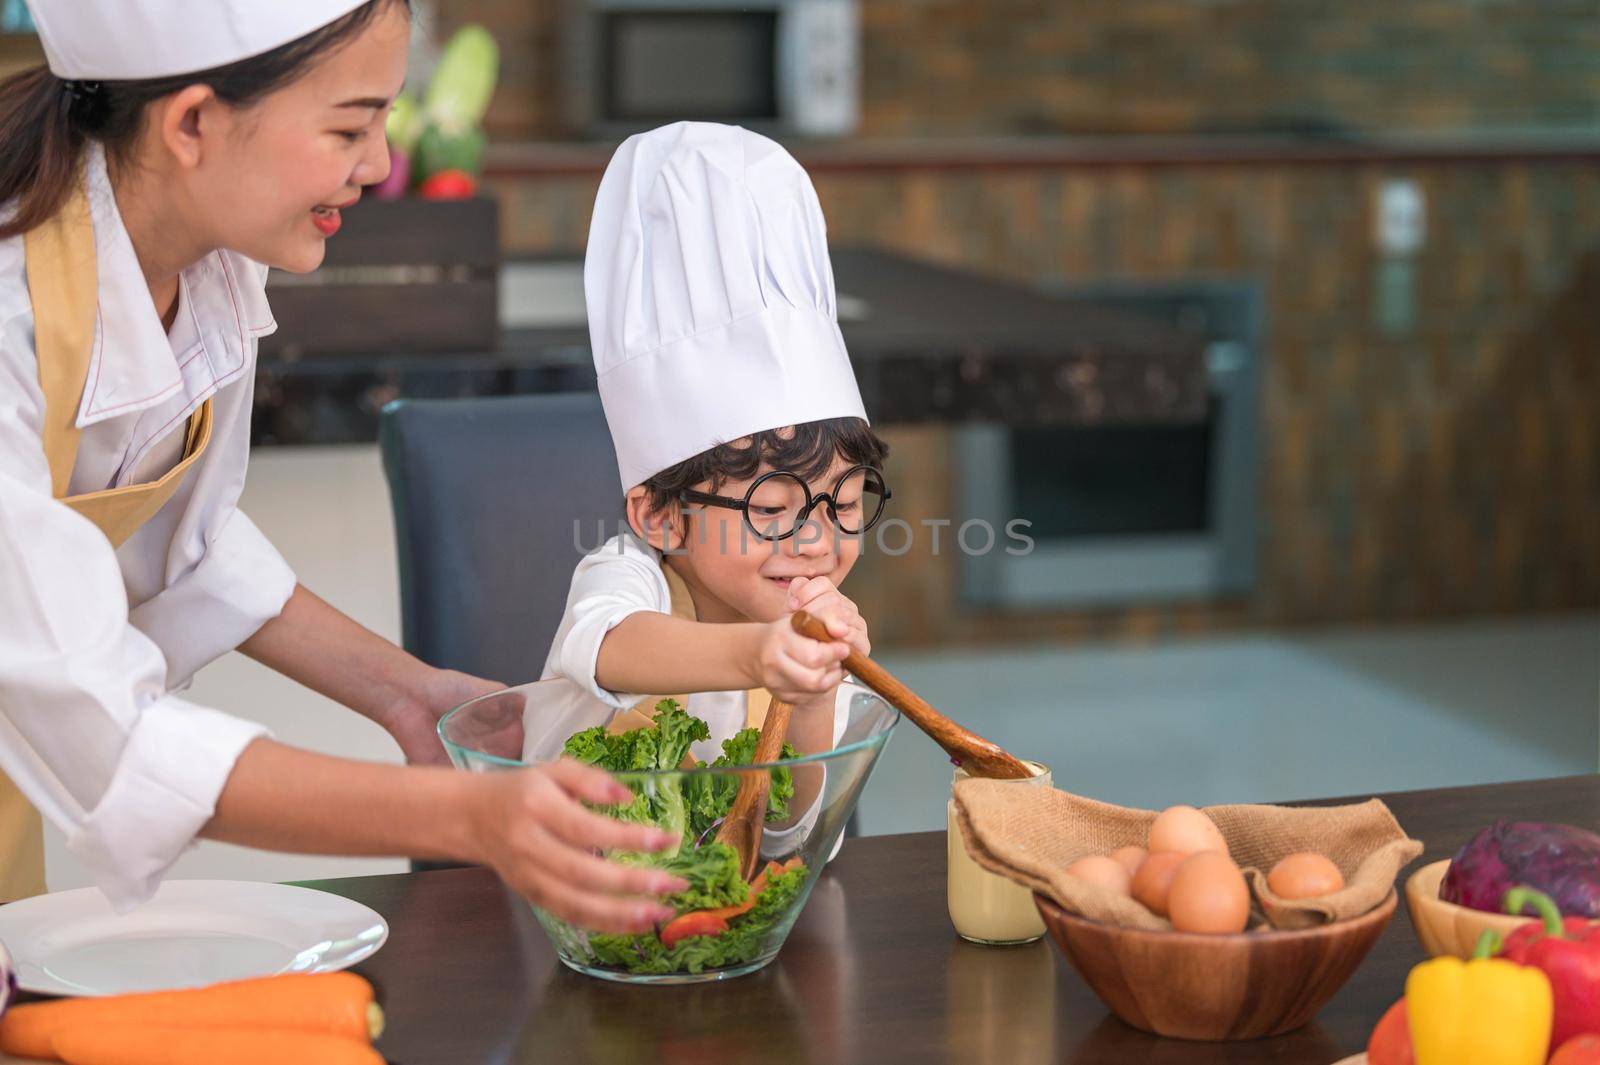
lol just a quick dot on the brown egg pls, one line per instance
(1185, 830)
(1098, 869)
(1154, 879)
(1305, 876)
(1130, 858)
(1209, 895)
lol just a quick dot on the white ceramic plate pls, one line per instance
(193, 932)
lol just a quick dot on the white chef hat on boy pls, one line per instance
(710, 296)
(115, 40)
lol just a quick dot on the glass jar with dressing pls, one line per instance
(986, 908)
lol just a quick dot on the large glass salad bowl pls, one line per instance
(725, 925)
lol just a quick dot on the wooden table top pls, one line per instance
(872, 972)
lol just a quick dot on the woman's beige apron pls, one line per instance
(63, 286)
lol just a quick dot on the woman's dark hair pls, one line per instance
(45, 122)
(808, 449)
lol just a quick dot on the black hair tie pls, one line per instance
(86, 102)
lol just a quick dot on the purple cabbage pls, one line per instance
(1559, 860)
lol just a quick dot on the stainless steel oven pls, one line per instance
(1124, 514)
(783, 67)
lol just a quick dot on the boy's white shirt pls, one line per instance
(623, 577)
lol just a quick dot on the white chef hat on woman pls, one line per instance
(710, 296)
(121, 40)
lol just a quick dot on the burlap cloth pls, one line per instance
(1030, 835)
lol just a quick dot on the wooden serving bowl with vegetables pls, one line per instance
(1444, 927)
(744, 893)
(1530, 998)
(1453, 902)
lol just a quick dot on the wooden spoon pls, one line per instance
(741, 829)
(978, 756)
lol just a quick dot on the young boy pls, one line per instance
(747, 465)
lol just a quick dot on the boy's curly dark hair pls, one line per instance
(807, 449)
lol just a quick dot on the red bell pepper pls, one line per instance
(697, 923)
(1566, 952)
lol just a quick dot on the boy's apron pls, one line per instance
(756, 700)
(64, 288)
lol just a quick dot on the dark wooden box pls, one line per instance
(401, 277)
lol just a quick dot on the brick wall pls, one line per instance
(1451, 468)
(1169, 66)
(943, 67)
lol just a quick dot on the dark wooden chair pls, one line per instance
(492, 499)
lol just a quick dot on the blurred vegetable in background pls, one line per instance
(436, 146)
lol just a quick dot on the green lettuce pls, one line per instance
(713, 875)
(591, 746)
(665, 745)
(711, 797)
(743, 942)
(689, 806)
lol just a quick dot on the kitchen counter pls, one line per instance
(871, 973)
(929, 344)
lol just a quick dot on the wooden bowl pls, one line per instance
(1448, 928)
(1215, 988)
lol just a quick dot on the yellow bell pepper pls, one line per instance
(1487, 1011)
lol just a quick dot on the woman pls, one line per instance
(168, 154)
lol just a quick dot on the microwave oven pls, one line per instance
(781, 67)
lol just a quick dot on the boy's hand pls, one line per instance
(818, 597)
(796, 668)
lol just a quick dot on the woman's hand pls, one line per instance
(414, 722)
(531, 827)
(313, 643)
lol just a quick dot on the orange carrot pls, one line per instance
(118, 1044)
(332, 1003)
